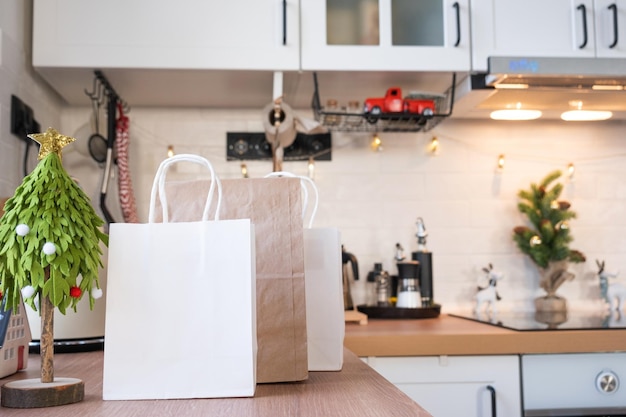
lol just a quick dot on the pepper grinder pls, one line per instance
(425, 259)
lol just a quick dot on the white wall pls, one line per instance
(374, 198)
(18, 78)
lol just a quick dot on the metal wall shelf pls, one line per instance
(343, 121)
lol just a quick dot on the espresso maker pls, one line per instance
(408, 285)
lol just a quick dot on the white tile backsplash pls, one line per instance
(374, 198)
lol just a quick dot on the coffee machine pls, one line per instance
(425, 259)
(408, 285)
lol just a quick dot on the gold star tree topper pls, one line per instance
(50, 141)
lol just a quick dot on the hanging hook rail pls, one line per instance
(102, 91)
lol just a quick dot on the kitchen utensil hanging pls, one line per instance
(125, 185)
(101, 91)
(97, 144)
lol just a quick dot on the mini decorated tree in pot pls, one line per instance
(50, 256)
(547, 239)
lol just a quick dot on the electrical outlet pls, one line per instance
(254, 146)
(22, 119)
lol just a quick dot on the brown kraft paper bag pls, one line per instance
(274, 206)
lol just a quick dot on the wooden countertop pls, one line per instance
(356, 391)
(448, 335)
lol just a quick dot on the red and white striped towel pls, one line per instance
(127, 196)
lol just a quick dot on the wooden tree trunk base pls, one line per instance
(32, 393)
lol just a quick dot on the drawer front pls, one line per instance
(574, 380)
(453, 386)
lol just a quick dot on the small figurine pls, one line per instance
(488, 295)
(399, 256)
(613, 293)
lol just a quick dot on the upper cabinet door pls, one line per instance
(610, 24)
(385, 35)
(539, 28)
(181, 34)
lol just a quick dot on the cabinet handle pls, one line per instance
(613, 7)
(458, 23)
(492, 391)
(284, 22)
(583, 10)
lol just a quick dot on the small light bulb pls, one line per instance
(376, 144)
(244, 170)
(311, 168)
(570, 170)
(434, 145)
(535, 240)
(170, 151)
(501, 161)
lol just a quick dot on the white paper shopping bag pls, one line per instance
(323, 286)
(180, 313)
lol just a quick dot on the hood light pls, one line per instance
(515, 114)
(586, 115)
(580, 115)
(511, 86)
(605, 87)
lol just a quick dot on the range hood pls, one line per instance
(551, 85)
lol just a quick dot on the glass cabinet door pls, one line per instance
(352, 22)
(417, 23)
(401, 35)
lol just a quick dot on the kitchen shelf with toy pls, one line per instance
(390, 113)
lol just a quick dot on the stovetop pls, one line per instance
(532, 321)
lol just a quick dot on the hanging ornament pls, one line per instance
(75, 292)
(535, 240)
(22, 229)
(96, 292)
(562, 225)
(28, 291)
(49, 248)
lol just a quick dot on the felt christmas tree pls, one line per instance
(49, 249)
(546, 241)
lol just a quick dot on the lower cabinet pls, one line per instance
(454, 386)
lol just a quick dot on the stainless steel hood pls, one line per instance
(552, 85)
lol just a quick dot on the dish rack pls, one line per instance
(346, 121)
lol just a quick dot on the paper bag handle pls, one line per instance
(159, 185)
(305, 203)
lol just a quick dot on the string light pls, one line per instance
(311, 168)
(244, 170)
(500, 165)
(170, 151)
(570, 170)
(434, 145)
(376, 144)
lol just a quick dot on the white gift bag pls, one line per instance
(181, 305)
(323, 286)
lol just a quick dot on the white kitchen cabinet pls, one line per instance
(453, 386)
(385, 35)
(182, 34)
(556, 28)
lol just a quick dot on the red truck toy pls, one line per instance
(394, 103)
